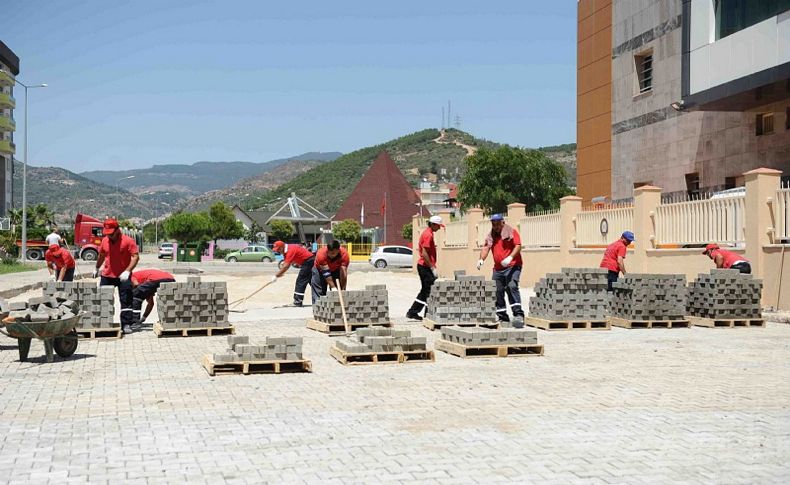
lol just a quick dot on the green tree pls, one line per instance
(127, 224)
(282, 230)
(407, 231)
(223, 222)
(496, 178)
(348, 230)
(252, 233)
(188, 227)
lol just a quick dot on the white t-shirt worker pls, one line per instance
(53, 238)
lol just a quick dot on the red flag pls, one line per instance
(383, 206)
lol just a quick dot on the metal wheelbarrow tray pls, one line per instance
(58, 335)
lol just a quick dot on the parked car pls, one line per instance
(251, 253)
(385, 256)
(166, 250)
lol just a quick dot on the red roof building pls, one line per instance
(382, 193)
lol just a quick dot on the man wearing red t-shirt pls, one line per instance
(329, 270)
(426, 267)
(60, 263)
(118, 252)
(504, 243)
(298, 255)
(614, 258)
(727, 259)
(145, 283)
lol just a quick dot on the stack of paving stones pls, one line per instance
(478, 336)
(649, 297)
(96, 302)
(573, 294)
(725, 294)
(374, 340)
(370, 305)
(464, 299)
(42, 309)
(193, 304)
(273, 348)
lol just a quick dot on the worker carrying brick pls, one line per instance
(727, 259)
(329, 270)
(426, 267)
(296, 254)
(144, 285)
(118, 252)
(614, 258)
(504, 243)
(60, 263)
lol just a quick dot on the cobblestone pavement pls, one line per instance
(689, 405)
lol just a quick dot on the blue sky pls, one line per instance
(135, 83)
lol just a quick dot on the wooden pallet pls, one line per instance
(255, 366)
(110, 333)
(367, 358)
(333, 329)
(727, 322)
(568, 324)
(431, 325)
(625, 323)
(468, 351)
(193, 331)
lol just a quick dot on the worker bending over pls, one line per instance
(426, 267)
(614, 258)
(504, 243)
(60, 263)
(296, 254)
(145, 283)
(118, 252)
(329, 269)
(727, 259)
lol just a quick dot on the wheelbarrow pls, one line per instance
(58, 335)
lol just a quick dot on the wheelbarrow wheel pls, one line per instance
(66, 345)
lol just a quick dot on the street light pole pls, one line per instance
(24, 174)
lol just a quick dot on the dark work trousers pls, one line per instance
(427, 280)
(507, 283)
(302, 280)
(743, 267)
(318, 283)
(125, 294)
(69, 276)
(611, 278)
(142, 292)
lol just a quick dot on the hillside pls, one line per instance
(565, 155)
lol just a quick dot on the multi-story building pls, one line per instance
(9, 68)
(434, 196)
(683, 94)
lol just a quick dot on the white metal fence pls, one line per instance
(541, 229)
(782, 215)
(603, 226)
(457, 234)
(717, 220)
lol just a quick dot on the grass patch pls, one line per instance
(16, 267)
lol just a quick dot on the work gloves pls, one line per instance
(54, 277)
(274, 278)
(95, 273)
(125, 276)
(506, 262)
(479, 264)
(435, 272)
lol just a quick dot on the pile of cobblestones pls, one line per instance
(96, 302)
(649, 297)
(725, 293)
(478, 336)
(575, 293)
(40, 309)
(273, 348)
(192, 304)
(367, 340)
(464, 299)
(370, 305)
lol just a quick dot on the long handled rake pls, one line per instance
(241, 303)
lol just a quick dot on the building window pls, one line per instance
(735, 15)
(644, 71)
(692, 184)
(765, 124)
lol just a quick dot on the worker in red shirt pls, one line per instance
(426, 267)
(727, 259)
(329, 270)
(60, 263)
(296, 254)
(118, 252)
(145, 283)
(504, 243)
(614, 258)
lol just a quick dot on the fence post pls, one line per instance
(515, 212)
(473, 218)
(570, 206)
(646, 200)
(761, 185)
(416, 229)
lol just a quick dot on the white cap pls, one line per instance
(435, 220)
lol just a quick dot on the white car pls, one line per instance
(166, 250)
(391, 256)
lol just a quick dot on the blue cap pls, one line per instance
(629, 235)
(497, 217)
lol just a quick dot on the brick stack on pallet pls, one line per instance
(574, 298)
(97, 303)
(194, 304)
(41, 309)
(649, 300)
(467, 299)
(725, 298)
(370, 305)
(484, 342)
(376, 344)
(274, 355)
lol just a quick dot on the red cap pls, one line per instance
(54, 247)
(110, 225)
(279, 246)
(710, 247)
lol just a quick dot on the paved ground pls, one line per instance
(687, 405)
